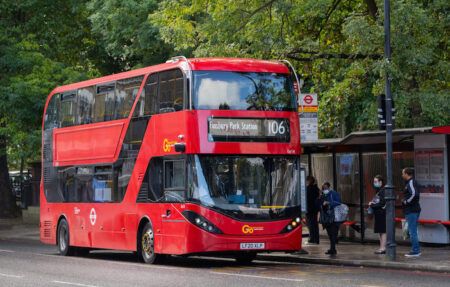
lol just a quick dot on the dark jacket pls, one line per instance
(411, 197)
(312, 197)
(332, 197)
(382, 203)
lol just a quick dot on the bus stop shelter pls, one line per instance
(350, 163)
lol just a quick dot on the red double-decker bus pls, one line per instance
(197, 156)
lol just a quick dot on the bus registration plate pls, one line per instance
(246, 246)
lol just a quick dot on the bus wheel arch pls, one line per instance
(63, 237)
(145, 243)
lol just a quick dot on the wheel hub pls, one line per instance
(147, 243)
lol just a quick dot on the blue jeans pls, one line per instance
(412, 219)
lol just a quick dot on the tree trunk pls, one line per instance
(8, 207)
(372, 8)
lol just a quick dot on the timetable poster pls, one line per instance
(429, 171)
(422, 165)
(437, 165)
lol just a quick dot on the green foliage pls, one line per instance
(30, 67)
(336, 46)
(31, 76)
(125, 34)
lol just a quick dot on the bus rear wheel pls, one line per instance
(245, 258)
(146, 246)
(63, 237)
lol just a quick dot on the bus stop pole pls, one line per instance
(389, 195)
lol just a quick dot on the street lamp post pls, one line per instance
(389, 195)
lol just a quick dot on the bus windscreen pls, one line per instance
(218, 90)
(247, 187)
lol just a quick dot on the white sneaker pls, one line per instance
(413, 254)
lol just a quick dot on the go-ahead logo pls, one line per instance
(247, 229)
(167, 145)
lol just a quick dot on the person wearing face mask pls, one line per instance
(378, 205)
(328, 201)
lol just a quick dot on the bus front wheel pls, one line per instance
(146, 246)
(64, 247)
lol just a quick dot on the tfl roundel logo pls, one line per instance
(93, 216)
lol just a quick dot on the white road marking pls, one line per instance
(260, 277)
(109, 262)
(5, 250)
(10, 275)
(43, 254)
(73, 284)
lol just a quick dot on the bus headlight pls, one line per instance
(201, 222)
(292, 225)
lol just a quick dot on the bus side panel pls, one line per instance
(88, 144)
(100, 225)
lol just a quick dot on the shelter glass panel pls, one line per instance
(322, 168)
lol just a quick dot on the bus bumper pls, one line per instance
(201, 241)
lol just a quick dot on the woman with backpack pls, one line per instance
(329, 200)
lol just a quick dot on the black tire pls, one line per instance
(63, 239)
(245, 258)
(146, 246)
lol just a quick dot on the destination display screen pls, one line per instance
(248, 130)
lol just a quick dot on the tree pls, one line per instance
(48, 43)
(28, 74)
(123, 31)
(337, 47)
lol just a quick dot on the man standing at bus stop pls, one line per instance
(312, 209)
(412, 210)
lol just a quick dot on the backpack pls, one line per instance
(340, 213)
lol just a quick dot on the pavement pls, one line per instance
(433, 259)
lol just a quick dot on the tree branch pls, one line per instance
(264, 6)
(317, 55)
(328, 16)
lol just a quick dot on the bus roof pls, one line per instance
(238, 65)
(197, 64)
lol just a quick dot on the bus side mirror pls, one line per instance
(180, 147)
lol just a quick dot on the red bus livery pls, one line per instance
(195, 156)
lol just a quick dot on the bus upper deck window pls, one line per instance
(68, 109)
(85, 105)
(171, 91)
(51, 114)
(126, 92)
(104, 103)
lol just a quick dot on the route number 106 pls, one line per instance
(277, 128)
